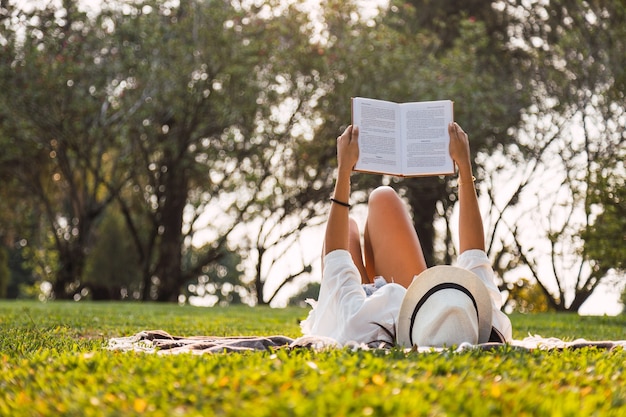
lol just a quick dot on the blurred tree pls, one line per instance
(22, 276)
(472, 63)
(513, 64)
(171, 111)
(605, 234)
(573, 139)
(395, 57)
(525, 296)
(59, 128)
(221, 87)
(212, 125)
(112, 270)
(220, 283)
(309, 291)
(5, 273)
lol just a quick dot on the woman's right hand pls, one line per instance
(459, 146)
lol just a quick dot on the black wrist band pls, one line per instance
(341, 203)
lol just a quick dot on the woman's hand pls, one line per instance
(348, 149)
(459, 147)
(471, 233)
(338, 226)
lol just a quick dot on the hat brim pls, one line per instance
(430, 279)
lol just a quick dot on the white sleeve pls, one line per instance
(340, 292)
(344, 312)
(476, 261)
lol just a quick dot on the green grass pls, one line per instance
(53, 362)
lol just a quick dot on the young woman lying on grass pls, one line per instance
(383, 293)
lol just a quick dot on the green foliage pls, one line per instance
(220, 283)
(605, 238)
(395, 57)
(165, 109)
(310, 290)
(5, 273)
(21, 276)
(175, 110)
(525, 296)
(53, 363)
(112, 268)
(572, 148)
(62, 135)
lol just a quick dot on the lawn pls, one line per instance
(53, 361)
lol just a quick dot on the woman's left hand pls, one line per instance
(348, 148)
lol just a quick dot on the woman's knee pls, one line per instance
(383, 195)
(386, 208)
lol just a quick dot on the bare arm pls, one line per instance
(471, 231)
(338, 226)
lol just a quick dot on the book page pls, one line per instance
(379, 135)
(426, 138)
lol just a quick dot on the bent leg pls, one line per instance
(392, 248)
(355, 252)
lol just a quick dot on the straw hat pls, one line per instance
(445, 306)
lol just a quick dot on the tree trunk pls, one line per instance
(423, 195)
(168, 270)
(72, 262)
(258, 282)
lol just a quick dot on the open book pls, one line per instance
(403, 139)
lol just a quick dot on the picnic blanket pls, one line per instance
(162, 343)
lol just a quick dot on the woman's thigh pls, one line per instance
(354, 240)
(392, 248)
(355, 251)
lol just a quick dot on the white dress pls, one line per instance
(345, 313)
